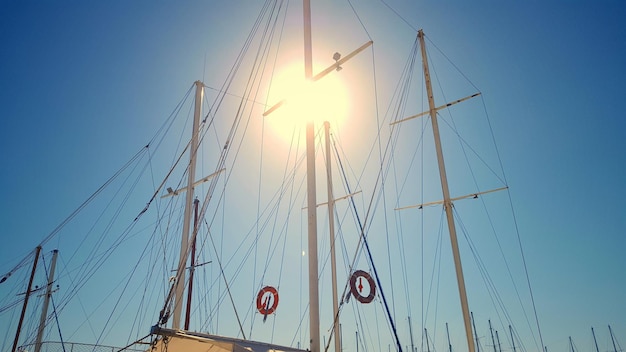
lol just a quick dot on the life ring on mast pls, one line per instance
(356, 289)
(267, 304)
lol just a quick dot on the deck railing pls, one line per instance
(50, 346)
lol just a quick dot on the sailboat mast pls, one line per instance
(612, 339)
(184, 244)
(28, 291)
(411, 335)
(513, 340)
(493, 342)
(448, 335)
(475, 333)
(331, 229)
(447, 203)
(498, 341)
(595, 342)
(46, 301)
(314, 307)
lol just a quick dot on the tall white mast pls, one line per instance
(184, 244)
(447, 202)
(331, 230)
(314, 306)
(46, 301)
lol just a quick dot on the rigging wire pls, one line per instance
(269, 210)
(503, 179)
(383, 157)
(235, 125)
(381, 174)
(477, 153)
(27, 259)
(91, 198)
(90, 269)
(362, 229)
(435, 278)
(291, 186)
(383, 171)
(56, 318)
(493, 230)
(359, 19)
(219, 262)
(272, 23)
(95, 194)
(401, 94)
(464, 145)
(401, 97)
(262, 56)
(54, 311)
(363, 240)
(422, 222)
(399, 15)
(17, 288)
(494, 295)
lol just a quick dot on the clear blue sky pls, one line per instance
(83, 85)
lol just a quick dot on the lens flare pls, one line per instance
(305, 101)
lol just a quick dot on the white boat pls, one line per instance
(249, 271)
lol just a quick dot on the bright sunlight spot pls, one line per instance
(304, 101)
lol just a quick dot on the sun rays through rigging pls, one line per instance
(302, 101)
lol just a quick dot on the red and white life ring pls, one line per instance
(266, 303)
(356, 289)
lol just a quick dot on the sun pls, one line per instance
(326, 99)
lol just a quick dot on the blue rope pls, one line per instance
(369, 253)
(56, 318)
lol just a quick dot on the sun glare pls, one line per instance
(304, 101)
